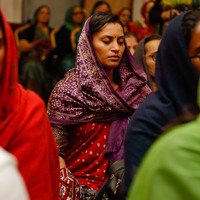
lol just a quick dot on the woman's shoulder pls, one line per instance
(27, 33)
(50, 29)
(155, 104)
(62, 34)
(31, 100)
(153, 115)
(63, 29)
(29, 28)
(32, 111)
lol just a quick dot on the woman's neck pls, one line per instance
(76, 25)
(42, 25)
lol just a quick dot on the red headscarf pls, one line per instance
(25, 130)
(143, 11)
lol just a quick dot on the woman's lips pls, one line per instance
(114, 58)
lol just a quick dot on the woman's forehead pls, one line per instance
(114, 28)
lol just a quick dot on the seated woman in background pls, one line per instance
(146, 8)
(145, 56)
(34, 45)
(89, 108)
(65, 38)
(125, 17)
(131, 41)
(177, 74)
(25, 131)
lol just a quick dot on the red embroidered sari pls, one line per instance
(84, 152)
(25, 130)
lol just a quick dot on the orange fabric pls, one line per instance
(25, 130)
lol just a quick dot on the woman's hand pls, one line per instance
(62, 163)
(25, 46)
(168, 14)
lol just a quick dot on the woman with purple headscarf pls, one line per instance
(90, 107)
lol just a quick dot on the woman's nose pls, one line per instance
(115, 46)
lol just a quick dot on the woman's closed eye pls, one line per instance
(106, 41)
(195, 56)
(121, 41)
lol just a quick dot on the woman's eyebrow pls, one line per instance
(123, 37)
(110, 36)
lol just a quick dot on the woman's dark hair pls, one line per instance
(99, 3)
(100, 19)
(189, 22)
(150, 38)
(129, 34)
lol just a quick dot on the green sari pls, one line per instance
(69, 59)
(33, 75)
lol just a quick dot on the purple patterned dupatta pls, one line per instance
(86, 94)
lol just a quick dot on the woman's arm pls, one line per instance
(25, 45)
(61, 137)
